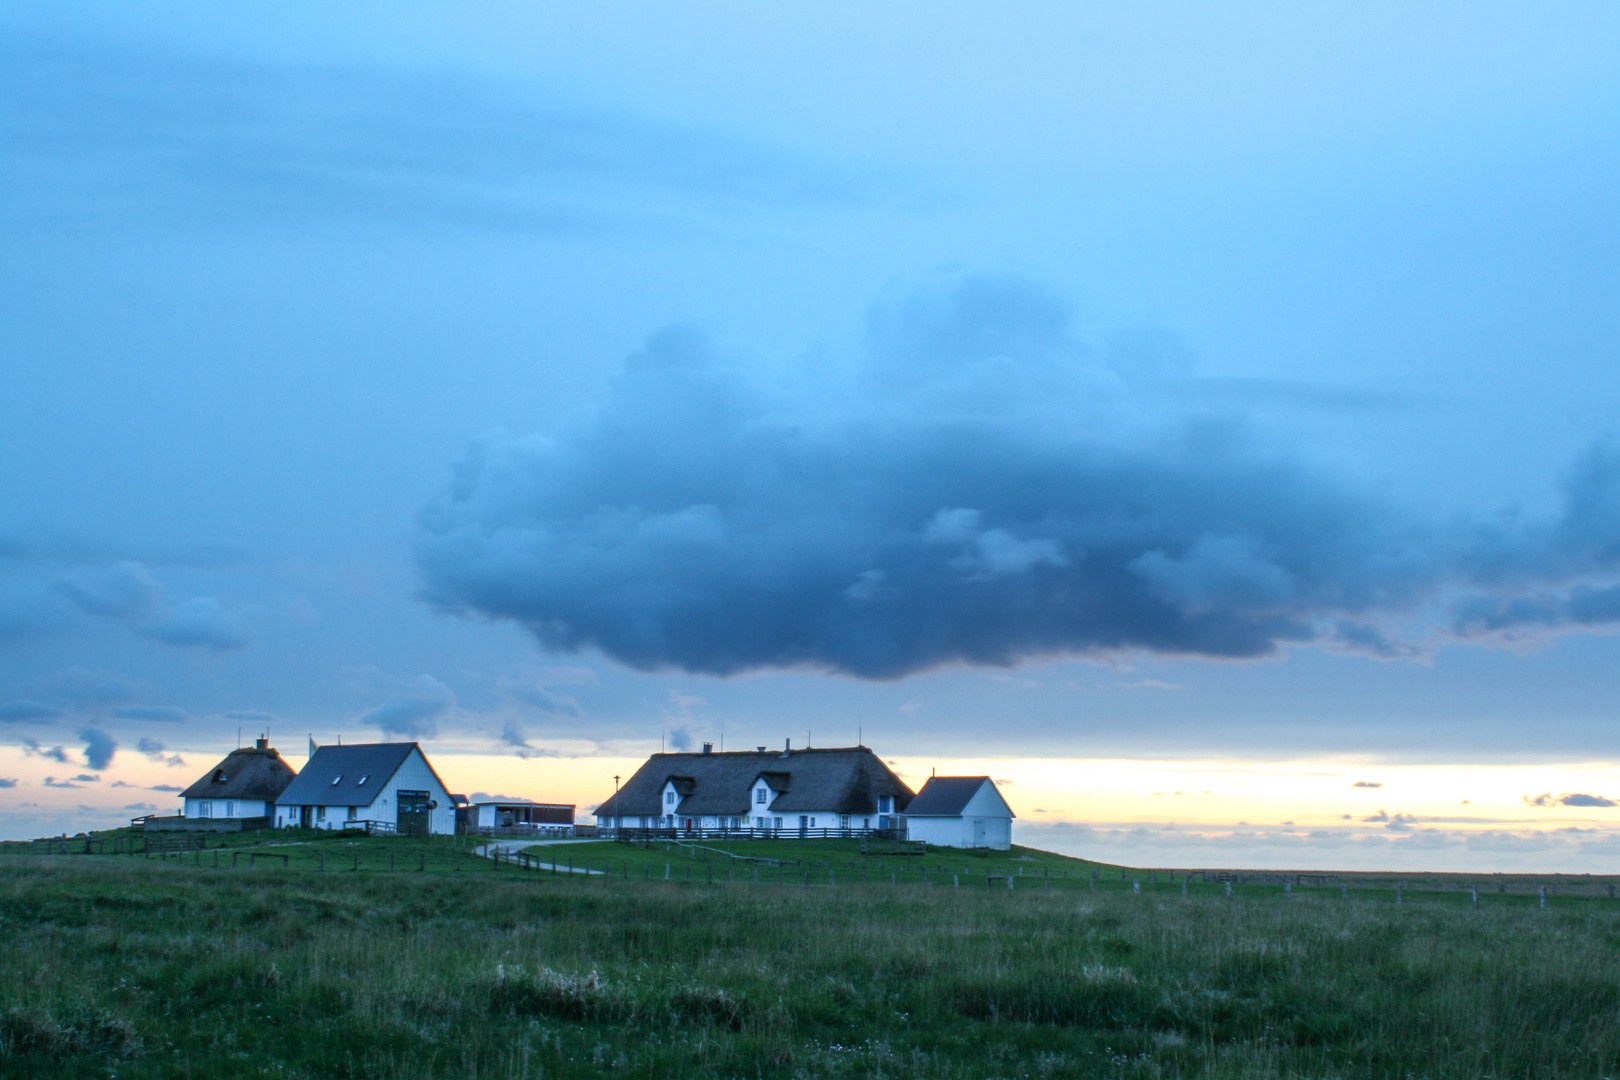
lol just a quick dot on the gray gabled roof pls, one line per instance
(249, 773)
(845, 780)
(947, 796)
(348, 775)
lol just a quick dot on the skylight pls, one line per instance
(337, 779)
(363, 779)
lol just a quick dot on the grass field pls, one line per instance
(127, 966)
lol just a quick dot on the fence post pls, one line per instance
(666, 869)
(1288, 890)
(1542, 890)
(1475, 890)
(1009, 883)
(1398, 892)
(1183, 887)
(956, 882)
(1136, 887)
(1344, 891)
(893, 878)
(807, 879)
(354, 865)
(421, 862)
(1228, 888)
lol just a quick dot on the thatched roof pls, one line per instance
(253, 773)
(845, 780)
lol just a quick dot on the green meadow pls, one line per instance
(404, 958)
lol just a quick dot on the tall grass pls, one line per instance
(145, 969)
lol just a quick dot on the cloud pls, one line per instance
(415, 713)
(1380, 816)
(158, 714)
(51, 781)
(195, 141)
(976, 485)
(146, 806)
(680, 739)
(202, 623)
(1569, 799)
(89, 690)
(1367, 784)
(165, 787)
(99, 747)
(513, 735)
(87, 778)
(7, 782)
(124, 591)
(27, 712)
(55, 753)
(154, 751)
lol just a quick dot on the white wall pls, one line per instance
(226, 808)
(986, 809)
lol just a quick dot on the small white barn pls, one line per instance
(960, 812)
(347, 786)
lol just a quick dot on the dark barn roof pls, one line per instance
(846, 780)
(348, 775)
(253, 773)
(947, 796)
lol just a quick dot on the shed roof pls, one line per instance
(248, 773)
(351, 775)
(846, 780)
(947, 796)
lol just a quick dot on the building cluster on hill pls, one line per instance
(392, 787)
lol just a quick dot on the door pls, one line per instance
(413, 813)
(978, 832)
(306, 816)
(804, 824)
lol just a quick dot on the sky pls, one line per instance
(1199, 420)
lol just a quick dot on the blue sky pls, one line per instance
(1045, 383)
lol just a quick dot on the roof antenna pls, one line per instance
(807, 738)
(239, 736)
(860, 736)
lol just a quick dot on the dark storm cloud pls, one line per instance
(119, 137)
(99, 747)
(980, 486)
(415, 713)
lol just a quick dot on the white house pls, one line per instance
(760, 792)
(246, 784)
(346, 786)
(960, 812)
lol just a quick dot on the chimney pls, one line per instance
(762, 749)
(708, 748)
(262, 744)
(787, 748)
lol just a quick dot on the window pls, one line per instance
(778, 823)
(362, 780)
(230, 807)
(759, 795)
(866, 823)
(219, 776)
(320, 813)
(843, 821)
(885, 804)
(669, 798)
(336, 780)
(205, 808)
(352, 810)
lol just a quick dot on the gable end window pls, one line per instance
(669, 798)
(759, 796)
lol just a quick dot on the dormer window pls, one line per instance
(759, 795)
(362, 780)
(219, 776)
(336, 780)
(669, 798)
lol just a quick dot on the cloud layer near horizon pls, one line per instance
(979, 486)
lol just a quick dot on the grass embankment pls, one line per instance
(113, 965)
